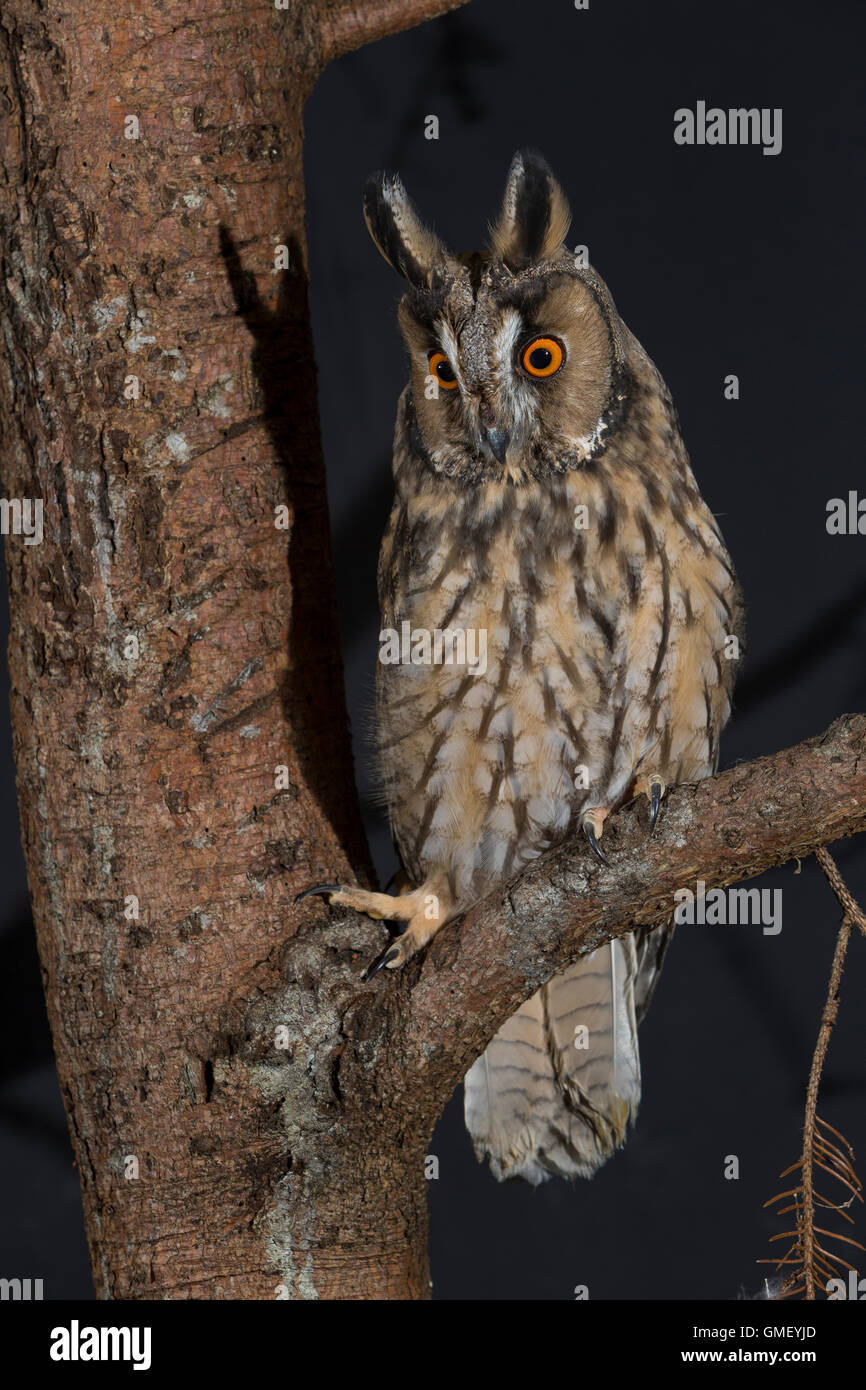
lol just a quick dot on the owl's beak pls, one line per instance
(499, 441)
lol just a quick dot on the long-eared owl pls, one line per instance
(560, 606)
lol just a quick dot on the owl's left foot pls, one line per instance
(592, 822)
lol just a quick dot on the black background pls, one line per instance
(721, 260)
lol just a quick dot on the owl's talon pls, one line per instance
(592, 824)
(656, 792)
(416, 936)
(589, 832)
(321, 889)
(382, 959)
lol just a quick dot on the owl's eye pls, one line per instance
(441, 368)
(542, 356)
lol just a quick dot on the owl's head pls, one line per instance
(517, 352)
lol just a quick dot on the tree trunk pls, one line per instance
(179, 726)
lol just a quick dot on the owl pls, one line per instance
(558, 603)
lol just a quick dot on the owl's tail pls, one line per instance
(556, 1088)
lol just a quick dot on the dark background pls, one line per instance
(721, 260)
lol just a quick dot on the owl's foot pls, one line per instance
(653, 787)
(592, 823)
(420, 909)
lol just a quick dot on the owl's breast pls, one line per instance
(531, 664)
(489, 702)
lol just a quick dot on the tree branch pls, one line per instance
(725, 829)
(349, 24)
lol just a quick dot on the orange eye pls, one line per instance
(441, 368)
(542, 357)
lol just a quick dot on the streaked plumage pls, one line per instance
(606, 631)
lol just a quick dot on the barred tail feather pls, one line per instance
(547, 1098)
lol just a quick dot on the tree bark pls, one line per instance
(249, 1119)
(146, 248)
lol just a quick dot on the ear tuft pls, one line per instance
(535, 216)
(412, 249)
